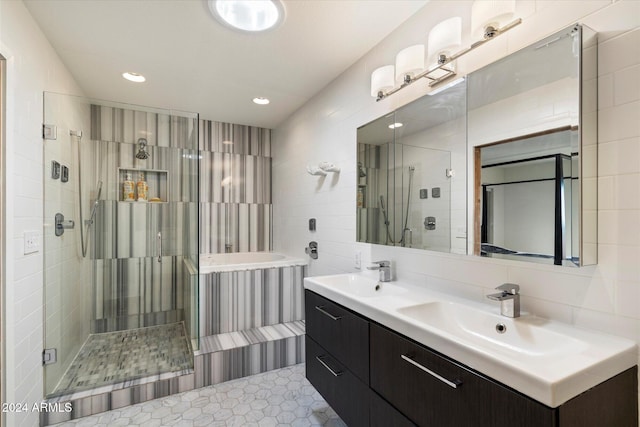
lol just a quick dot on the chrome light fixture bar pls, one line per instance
(445, 69)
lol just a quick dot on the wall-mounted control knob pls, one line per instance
(312, 250)
(62, 225)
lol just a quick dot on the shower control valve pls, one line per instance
(312, 250)
(430, 223)
(61, 224)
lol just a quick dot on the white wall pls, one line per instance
(605, 297)
(32, 67)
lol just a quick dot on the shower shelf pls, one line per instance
(157, 181)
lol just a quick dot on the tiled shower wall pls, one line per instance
(66, 294)
(235, 188)
(132, 288)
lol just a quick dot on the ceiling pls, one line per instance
(193, 63)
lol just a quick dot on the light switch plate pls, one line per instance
(31, 242)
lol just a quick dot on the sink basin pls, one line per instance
(360, 286)
(517, 338)
(546, 360)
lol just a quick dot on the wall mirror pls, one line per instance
(533, 150)
(411, 174)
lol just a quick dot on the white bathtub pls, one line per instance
(238, 261)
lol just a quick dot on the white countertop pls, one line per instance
(551, 371)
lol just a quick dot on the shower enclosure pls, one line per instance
(121, 277)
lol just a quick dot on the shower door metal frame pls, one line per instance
(3, 231)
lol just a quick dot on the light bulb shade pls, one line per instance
(382, 80)
(490, 12)
(409, 61)
(444, 38)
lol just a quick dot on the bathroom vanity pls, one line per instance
(374, 366)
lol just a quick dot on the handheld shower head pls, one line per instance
(142, 153)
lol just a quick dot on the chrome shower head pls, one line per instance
(361, 170)
(142, 153)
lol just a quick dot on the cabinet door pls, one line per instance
(382, 414)
(341, 332)
(346, 394)
(433, 391)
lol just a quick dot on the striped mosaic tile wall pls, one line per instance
(241, 300)
(131, 288)
(235, 188)
(156, 126)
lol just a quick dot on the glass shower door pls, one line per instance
(128, 307)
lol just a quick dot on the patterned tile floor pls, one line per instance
(113, 357)
(277, 398)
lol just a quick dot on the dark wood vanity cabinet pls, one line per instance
(399, 382)
(426, 386)
(337, 357)
(343, 333)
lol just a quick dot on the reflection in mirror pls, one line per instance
(534, 152)
(412, 175)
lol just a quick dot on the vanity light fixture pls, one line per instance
(489, 19)
(444, 38)
(382, 81)
(134, 77)
(488, 16)
(409, 62)
(248, 15)
(261, 100)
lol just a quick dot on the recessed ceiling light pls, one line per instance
(395, 125)
(248, 15)
(261, 101)
(134, 77)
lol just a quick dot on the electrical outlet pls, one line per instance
(358, 260)
(31, 242)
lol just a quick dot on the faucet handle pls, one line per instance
(510, 288)
(379, 264)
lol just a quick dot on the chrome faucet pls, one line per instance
(385, 270)
(509, 299)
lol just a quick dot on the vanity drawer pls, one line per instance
(382, 414)
(341, 332)
(431, 390)
(342, 390)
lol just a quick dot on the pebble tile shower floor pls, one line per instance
(282, 397)
(114, 357)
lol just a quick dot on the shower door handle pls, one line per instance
(159, 246)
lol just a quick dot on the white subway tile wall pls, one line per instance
(32, 68)
(605, 297)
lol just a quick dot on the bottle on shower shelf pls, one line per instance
(142, 188)
(128, 188)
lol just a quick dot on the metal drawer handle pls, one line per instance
(321, 309)
(454, 383)
(323, 363)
